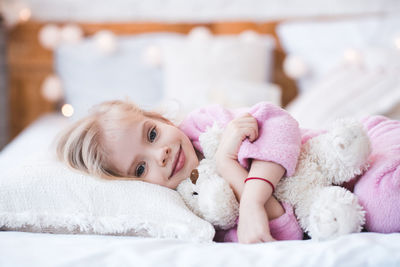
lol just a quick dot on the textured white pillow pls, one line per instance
(43, 195)
(372, 88)
(322, 45)
(196, 67)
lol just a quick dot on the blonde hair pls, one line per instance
(80, 145)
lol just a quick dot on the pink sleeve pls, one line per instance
(278, 140)
(197, 122)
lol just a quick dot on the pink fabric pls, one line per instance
(278, 140)
(284, 227)
(378, 189)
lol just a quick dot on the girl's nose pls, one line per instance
(164, 156)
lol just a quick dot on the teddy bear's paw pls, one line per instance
(350, 148)
(335, 212)
(218, 203)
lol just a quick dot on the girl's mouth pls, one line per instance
(179, 162)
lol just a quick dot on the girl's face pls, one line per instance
(152, 151)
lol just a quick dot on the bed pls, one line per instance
(19, 248)
(43, 249)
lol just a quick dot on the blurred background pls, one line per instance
(321, 60)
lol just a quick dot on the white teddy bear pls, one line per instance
(322, 209)
(210, 196)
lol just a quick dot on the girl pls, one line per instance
(259, 145)
(119, 140)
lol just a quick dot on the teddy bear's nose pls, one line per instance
(194, 175)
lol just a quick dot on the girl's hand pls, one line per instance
(240, 128)
(253, 224)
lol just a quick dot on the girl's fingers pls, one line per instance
(246, 126)
(253, 135)
(251, 132)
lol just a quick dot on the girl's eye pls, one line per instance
(140, 169)
(152, 135)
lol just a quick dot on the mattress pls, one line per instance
(39, 249)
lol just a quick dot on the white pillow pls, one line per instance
(322, 45)
(90, 76)
(239, 94)
(43, 195)
(372, 88)
(195, 67)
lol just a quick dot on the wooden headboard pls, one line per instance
(29, 63)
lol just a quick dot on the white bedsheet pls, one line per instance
(28, 249)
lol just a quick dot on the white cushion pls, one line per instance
(43, 195)
(90, 77)
(372, 88)
(322, 45)
(353, 68)
(237, 94)
(196, 68)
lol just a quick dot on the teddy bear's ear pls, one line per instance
(209, 140)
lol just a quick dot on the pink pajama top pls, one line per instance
(279, 136)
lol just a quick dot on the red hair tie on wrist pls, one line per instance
(263, 179)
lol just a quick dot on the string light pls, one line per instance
(200, 33)
(14, 12)
(67, 110)
(295, 67)
(353, 56)
(152, 56)
(50, 36)
(52, 88)
(249, 36)
(71, 33)
(105, 41)
(25, 14)
(397, 42)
